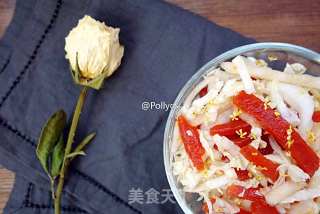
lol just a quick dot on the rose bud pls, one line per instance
(93, 51)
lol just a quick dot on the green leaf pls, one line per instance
(76, 71)
(97, 82)
(85, 142)
(49, 137)
(74, 154)
(57, 158)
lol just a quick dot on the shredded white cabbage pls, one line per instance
(294, 172)
(287, 113)
(295, 68)
(293, 95)
(247, 118)
(286, 168)
(230, 89)
(281, 192)
(243, 71)
(213, 183)
(207, 146)
(194, 93)
(226, 145)
(276, 158)
(304, 207)
(302, 195)
(277, 150)
(300, 100)
(226, 206)
(281, 209)
(256, 134)
(315, 180)
(224, 116)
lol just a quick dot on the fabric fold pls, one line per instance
(164, 46)
(36, 200)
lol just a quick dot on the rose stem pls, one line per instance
(65, 164)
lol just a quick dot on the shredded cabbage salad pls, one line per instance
(247, 139)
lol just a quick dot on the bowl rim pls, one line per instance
(299, 50)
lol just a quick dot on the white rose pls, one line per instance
(97, 48)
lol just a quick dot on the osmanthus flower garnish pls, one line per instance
(247, 139)
(94, 53)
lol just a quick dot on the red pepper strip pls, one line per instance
(316, 116)
(242, 211)
(205, 208)
(259, 204)
(268, 168)
(234, 190)
(191, 141)
(203, 91)
(260, 207)
(304, 156)
(241, 142)
(229, 129)
(251, 194)
(242, 174)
